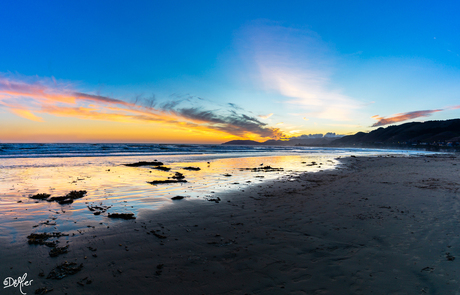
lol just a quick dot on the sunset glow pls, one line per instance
(269, 73)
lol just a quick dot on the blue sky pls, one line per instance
(298, 66)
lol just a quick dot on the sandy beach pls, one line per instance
(375, 225)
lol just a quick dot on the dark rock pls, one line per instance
(144, 163)
(68, 199)
(162, 168)
(178, 176)
(40, 196)
(122, 215)
(155, 182)
(192, 168)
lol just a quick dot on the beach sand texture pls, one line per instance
(376, 225)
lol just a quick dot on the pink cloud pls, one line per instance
(26, 114)
(25, 97)
(402, 117)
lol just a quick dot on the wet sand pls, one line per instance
(374, 226)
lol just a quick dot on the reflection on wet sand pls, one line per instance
(46, 195)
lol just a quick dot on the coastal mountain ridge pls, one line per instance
(437, 133)
(415, 133)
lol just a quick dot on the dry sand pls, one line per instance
(374, 226)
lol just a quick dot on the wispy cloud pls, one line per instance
(297, 64)
(28, 97)
(381, 121)
(266, 116)
(26, 114)
(235, 106)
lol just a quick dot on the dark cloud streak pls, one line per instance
(236, 124)
(100, 98)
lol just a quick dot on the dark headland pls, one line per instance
(429, 135)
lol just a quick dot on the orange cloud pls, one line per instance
(26, 114)
(24, 98)
(402, 117)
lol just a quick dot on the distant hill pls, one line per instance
(243, 142)
(435, 133)
(323, 141)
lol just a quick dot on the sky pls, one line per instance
(214, 71)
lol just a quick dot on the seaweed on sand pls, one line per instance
(97, 210)
(192, 168)
(62, 200)
(40, 196)
(144, 163)
(212, 199)
(178, 177)
(122, 215)
(40, 238)
(76, 194)
(162, 168)
(64, 269)
(263, 169)
(160, 236)
(54, 252)
(155, 182)
(68, 199)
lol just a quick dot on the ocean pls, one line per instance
(65, 150)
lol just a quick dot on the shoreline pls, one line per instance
(374, 225)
